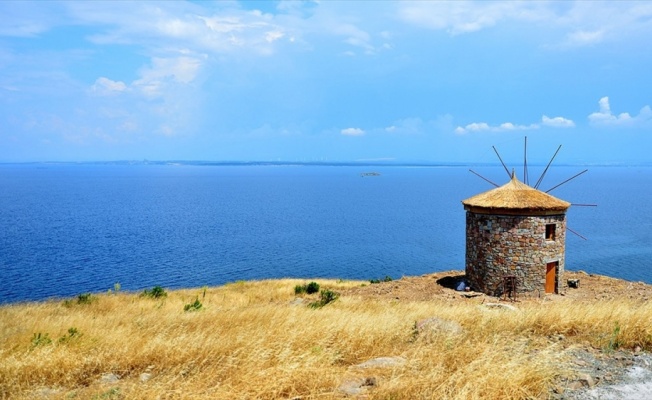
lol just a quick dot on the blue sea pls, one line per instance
(67, 229)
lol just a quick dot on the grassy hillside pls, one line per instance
(258, 340)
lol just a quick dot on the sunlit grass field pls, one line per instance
(255, 340)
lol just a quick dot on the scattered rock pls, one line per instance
(145, 376)
(586, 380)
(382, 362)
(355, 386)
(109, 378)
(46, 393)
(297, 302)
(426, 328)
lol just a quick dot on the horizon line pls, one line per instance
(380, 163)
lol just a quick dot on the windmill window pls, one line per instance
(550, 231)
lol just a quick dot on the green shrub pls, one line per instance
(41, 340)
(84, 298)
(113, 393)
(194, 306)
(313, 287)
(387, 278)
(155, 293)
(73, 334)
(615, 341)
(326, 296)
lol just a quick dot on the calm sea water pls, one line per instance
(70, 229)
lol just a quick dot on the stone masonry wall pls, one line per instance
(499, 245)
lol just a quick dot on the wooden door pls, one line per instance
(551, 276)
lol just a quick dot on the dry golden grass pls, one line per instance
(251, 341)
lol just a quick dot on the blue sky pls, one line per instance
(325, 81)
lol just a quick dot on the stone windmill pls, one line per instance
(515, 238)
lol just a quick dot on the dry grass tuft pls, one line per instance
(253, 340)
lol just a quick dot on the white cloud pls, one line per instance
(128, 126)
(478, 126)
(466, 16)
(407, 126)
(28, 19)
(168, 81)
(355, 37)
(484, 127)
(590, 23)
(557, 122)
(274, 35)
(605, 117)
(560, 24)
(330, 24)
(155, 78)
(222, 28)
(584, 38)
(106, 87)
(165, 71)
(352, 132)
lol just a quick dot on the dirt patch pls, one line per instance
(441, 286)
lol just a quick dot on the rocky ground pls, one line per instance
(440, 286)
(614, 375)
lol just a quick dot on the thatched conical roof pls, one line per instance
(515, 197)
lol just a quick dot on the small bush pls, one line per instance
(113, 393)
(195, 306)
(41, 340)
(615, 341)
(328, 296)
(312, 287)
(325, 297)
(156, 292)
(73, 334)
(85, 298)
(387, 278)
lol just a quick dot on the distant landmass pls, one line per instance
(364, 163)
